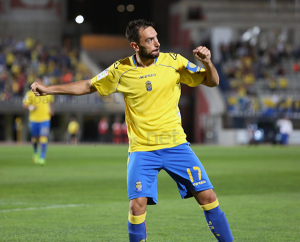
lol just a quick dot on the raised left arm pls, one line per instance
(211, 77)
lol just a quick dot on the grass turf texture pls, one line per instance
(80, 195)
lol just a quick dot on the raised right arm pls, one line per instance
(75, 88)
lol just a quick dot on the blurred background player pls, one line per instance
(285, 128)
(117, 132)
(103, 130)
(124, 133)
(73, 130)
(18, 129)
(40, 112)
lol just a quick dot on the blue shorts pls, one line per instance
(39, 128)
(179, 162)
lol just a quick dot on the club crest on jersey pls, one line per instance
(192, 67)
(138, 186)
(149, 86)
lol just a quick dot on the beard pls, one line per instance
(147, 55)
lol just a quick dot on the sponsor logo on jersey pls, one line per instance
(145, 76)
(138, 186)
(116, 64)
(102, 74)
(174, 56)
(199, 183)
(149, 86)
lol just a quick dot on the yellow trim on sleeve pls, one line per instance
(210, 206)
(136, 219)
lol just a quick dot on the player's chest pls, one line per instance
(40, 100)
(142, 82)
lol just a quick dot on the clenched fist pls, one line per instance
(38, 89)
(202, 54)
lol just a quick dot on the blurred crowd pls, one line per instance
(251, 70)
(22, 61)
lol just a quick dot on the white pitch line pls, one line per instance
(48, 207)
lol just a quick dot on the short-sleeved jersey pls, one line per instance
(151, 98)
(42, 112)
(73, 127)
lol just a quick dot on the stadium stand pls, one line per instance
(21, 61)
(255, 50)
(255, 47)
(260, 80)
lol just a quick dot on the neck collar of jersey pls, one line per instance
(135, 61)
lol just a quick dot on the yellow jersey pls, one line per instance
(42, 104)
(151, 98)
(73, 127)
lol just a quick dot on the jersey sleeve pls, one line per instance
(190, 74)
(106, 82)
(50, 99)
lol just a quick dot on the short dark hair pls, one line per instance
(133, 28)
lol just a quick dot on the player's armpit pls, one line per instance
(91, 87)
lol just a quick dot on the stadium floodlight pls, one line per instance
(121, 8)
(130, 8)
(79, 19)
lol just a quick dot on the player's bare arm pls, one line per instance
(212, 77)
(51, 109)
(29, 107)
(76, 88)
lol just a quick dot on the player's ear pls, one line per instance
(135, 46)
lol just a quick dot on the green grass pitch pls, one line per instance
(80, 195)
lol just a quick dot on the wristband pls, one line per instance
(31, 107)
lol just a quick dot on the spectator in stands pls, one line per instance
(296, 52)
(2, 61)
(281, 71)
(296, 106)
(272, 83)
(296, 67)
(22, 61)
(10, 57)
(283, 82)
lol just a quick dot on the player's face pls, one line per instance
(149, 45)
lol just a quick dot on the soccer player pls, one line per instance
(73, 129)
(103, 130)
(40, 112)
(117, 132)
(150, 83)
